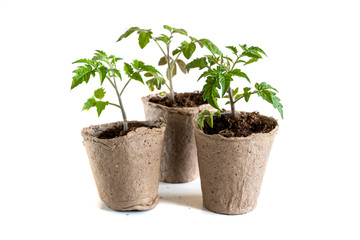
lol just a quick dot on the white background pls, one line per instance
(311, 186)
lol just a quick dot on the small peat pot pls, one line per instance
(232, 168)
(126, 168)
(179, 157)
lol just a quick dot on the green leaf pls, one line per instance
(100, 106)
(137, 64)
(89, 104)
(102, 72)
(247, 94)
(210, 91)
(179, 30)
(251, 54)
(239, 73)
(84, 60)
(264, 86)
(233, 49)
(168, 27)
(163, 38)
(128, 69)
(218, 113)
(257, 49)
(209, 119)
(116, 72)
(144, 38)
(82, 74)
(271, 97)
(225, 84)
(162, 61)
(198, 62)
(188, 49)
(100, 56)
(181, 65)
(148, 74)
(252, 60)
(176, 51)
(211, 46)
(136, 76)
(99, 93)
(128, 33)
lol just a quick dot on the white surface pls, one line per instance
(311, 185)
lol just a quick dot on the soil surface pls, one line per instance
(117, 131)
(243, 125)
(193, 99)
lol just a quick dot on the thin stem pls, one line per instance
(114, 105)
(125, 86)
(160, 48)
(125, 124)
(172, 95)
(232, 104)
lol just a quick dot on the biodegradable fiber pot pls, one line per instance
(232, 169)
(179, 158)
(126, 168)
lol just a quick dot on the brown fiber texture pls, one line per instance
(179, 158)
(126, 169)
(232, 169)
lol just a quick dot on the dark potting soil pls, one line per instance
(193, 99)
(117, 131)
(243, 125)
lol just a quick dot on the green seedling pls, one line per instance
(170, 58)
(220, 72)
(105, 67)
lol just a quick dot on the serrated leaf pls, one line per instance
(257, 49)
(100, 106)
(176, 51)
(247, 94)
(168, 28)
(84, 60)
(99, 93)
(102, 72)
(251, 61)
(264, 86)
(211, 46)
(116, 72)
(198, 62)
(162, 61)
(128, 33)
(225, 84)
(210, 92)
(128, 69)
(82, 74)
(235, 91)
(89, 104)
(179, 30)
(136, 76)
(233, 49)
(137, 64)
(205, 74)
(239, 73)
(144, 38)
(188, 49)
(251, 54)
(181, 65)
(271, 97)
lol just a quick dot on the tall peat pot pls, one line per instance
(232, 169)
(179, 158)
(126, 169)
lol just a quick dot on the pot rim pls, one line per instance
(159, 124)
(254, 136)
(181, 110)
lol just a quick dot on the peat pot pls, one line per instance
(232, 169)
(179, 158)
(126, 169)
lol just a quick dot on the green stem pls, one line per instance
(125, 87)
(125, 123)
(114, 105)
(172, 95)
(232, 103)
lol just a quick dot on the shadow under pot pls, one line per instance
(126, 168)
(232, 168)
(179, 157)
